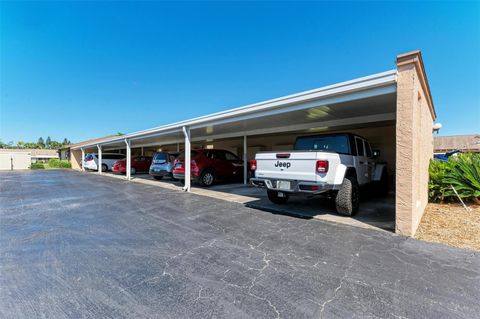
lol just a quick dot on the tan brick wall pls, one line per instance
(414, 144)
(76, 159)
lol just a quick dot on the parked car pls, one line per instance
(210, 165)
(446, 156)
(336, 164)
(138, 164)
(108, 159)
(162, 164)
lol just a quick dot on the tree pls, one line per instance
(54, 145)
(48, 141)
(40, 143)
(20, 144)
(65, 141)
(31, 145)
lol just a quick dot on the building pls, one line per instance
(18, 158)
(394, 110)
(65, 152)
(464, 143)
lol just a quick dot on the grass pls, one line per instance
(452, 225)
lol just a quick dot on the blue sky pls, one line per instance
(87, 69)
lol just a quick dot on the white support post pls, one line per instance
(83, 159)
(141, 151)
(187, 164)
(178, 147)
(99, 158)
(128, 159)
(245, 166)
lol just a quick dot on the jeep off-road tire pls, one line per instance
(104, 167)
(348, 197)
(274, 198)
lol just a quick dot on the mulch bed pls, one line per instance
(452, 225)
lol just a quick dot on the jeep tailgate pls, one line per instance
(299, 166)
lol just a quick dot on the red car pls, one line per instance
(208, 165)
(138, 164)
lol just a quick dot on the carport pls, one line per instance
(393, 109)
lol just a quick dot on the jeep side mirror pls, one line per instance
(376, 153)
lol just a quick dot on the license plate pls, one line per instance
(283, 185)
(156, 170)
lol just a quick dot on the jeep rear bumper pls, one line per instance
(293, 186)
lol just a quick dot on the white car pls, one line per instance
(91, 161)
(336, 164)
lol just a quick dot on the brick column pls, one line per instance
(414, 142)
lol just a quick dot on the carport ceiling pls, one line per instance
(360, 112)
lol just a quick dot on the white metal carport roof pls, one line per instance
(364, 100)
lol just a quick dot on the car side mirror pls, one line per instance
(376, 153)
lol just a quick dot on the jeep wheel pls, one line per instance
(348, 197)
(207, 178)
(274, 198)
(104, 167)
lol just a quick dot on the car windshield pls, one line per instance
(192, 155)
(332, 143)
(160, 157)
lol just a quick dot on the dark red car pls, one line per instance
(138, 164)
(209, 165)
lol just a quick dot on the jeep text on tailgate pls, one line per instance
(336, 164)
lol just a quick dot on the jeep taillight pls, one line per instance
(253, 165)
(322, 166)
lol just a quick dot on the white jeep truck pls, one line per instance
(333, 164)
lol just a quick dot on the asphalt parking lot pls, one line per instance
(82, 245)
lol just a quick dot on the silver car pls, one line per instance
(162, 164)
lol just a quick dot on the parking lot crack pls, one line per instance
(342, 281)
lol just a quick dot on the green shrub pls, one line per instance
(465, 176)
(461, 172)
(54, 163)
(65, 164)
(37, 166)
(436, 184)
(58, 163)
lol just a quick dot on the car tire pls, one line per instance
(104, 167)
(207, 178)
(274, 198)
(347, 200)
(158, 177)
(133, 171)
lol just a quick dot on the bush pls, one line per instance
(54, 162)
(57, 163)
(461, 172)
(37, 166)
(65, 164)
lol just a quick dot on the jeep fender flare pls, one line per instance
(340, 173)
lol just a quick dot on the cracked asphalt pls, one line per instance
(78, 245)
